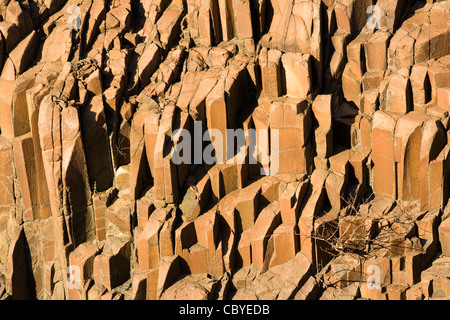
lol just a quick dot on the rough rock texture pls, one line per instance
(93, 205)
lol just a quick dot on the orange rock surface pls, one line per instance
(354, 110)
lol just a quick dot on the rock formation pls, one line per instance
(350, 97)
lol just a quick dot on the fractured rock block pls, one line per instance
(93, 123)
(82, 258)
(384, 173)
(399, 95)
(89, 170)
(311, 208)
(118, 218)
(351, 86)
(291, 200)
(407, 135)
(207, 229)
(375, 50)
(266, 222)
(444, 229)
(247, 205)
(300, 21)
(285, 243)
(270, 64)
(191, 287)
(355, 231)
(427, 227)
(244, 253)
(144, 208)
(147, 245)
(197, 197)
(290, 129)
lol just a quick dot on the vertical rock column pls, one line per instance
(66, 174)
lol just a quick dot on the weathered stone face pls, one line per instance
(217, 149)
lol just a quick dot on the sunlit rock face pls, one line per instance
(224, 149)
